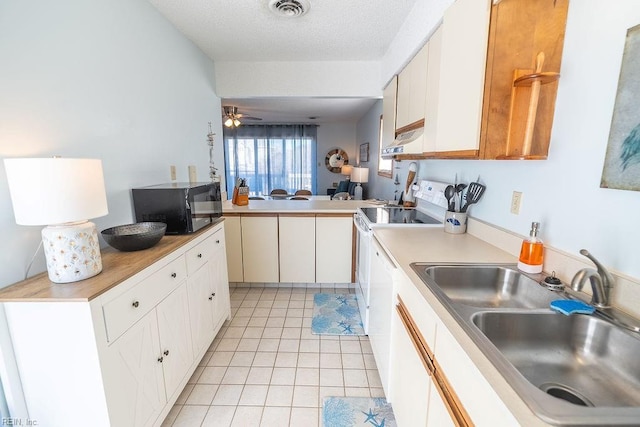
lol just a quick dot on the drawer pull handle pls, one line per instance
(174, 275)
(135, 304)
(199, 255)
(160, 359)
(166, 352)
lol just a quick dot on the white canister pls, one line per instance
(455, 222)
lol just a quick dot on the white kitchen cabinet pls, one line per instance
(297, 245)
(208, 289)
(176, 351)
(334, 249)
(116, 349)
(389, 96)
(422, 401)
(412, 85)
(432, 92)
(135, 372)
(260, 261)
(381, 303)
(465, 34)
(482, 403)
(233, 243)
(410, 381)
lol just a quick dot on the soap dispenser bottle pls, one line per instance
(531, 253)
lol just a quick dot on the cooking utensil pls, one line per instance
(413, 168)
(459, 189)
(449, 192)
(474, 193)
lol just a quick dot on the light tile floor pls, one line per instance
(266, 368)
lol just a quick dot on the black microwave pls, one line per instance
(184, 207)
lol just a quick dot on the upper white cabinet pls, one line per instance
(412, 86)
(465, 34)
(297, 249)
(389, 112)
(260, 261)
(432, 92)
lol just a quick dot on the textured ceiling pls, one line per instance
(246, 30)
(332, 30)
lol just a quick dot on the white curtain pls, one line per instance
(270, 157)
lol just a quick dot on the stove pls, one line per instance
(365, 220)
(393, 216)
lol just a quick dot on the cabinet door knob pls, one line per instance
(217, 241)
(174, 275)
(211, 298)
(136, 304)
(213, 294)
(199, 255)
(160, 359)
(166, 352)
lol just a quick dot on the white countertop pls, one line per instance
(416, 244)
(296, 206)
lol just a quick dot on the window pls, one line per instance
(270, 157)
(385, 166)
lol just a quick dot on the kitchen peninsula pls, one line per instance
(291, 241)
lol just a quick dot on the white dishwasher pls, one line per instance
(382, 271)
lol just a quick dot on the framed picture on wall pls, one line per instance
(364, 152)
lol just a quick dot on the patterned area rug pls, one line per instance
(336, 314)
(357, 411)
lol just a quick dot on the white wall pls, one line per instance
(334, 135)
(108, 79)
(367, 130)
(564, 191)
(298, 78)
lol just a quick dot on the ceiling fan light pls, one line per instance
(236, 122)
(229, 122)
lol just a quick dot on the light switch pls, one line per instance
(173, 172)
(516, 201)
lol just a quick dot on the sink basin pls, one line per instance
(486, 286)
(582, 360)
(569, 370)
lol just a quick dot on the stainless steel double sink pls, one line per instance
(570, 370)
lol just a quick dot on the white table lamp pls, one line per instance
(359, 175)
(61, 194)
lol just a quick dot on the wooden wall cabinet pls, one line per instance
(389, 97)
(480, 69)
(519, 31)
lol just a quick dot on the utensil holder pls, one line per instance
(455, 222)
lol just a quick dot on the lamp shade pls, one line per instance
(360, 175)
(346, 170)
(47, 191)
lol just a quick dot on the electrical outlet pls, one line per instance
(173, 172)
(516, 201)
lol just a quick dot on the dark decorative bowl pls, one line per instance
(134, 237)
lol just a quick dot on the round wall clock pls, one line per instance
(335, 159)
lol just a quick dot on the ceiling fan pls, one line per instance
(232, 117)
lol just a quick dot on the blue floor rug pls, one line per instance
(336, 314)
(357, 411)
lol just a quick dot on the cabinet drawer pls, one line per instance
(202, 252)
(128, 308)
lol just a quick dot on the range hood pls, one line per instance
(409, 142)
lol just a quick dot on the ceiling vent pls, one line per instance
(289, 8)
